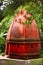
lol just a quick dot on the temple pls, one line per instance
(23, 39)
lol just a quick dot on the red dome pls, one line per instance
(20, 29)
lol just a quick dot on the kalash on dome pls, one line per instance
(22, 41)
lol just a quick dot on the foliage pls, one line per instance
(4, 26)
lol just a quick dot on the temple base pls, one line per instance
(8, 61)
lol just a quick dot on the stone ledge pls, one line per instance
(7, 61)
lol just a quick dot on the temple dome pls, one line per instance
(23, 26)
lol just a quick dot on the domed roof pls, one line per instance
(23, 26)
